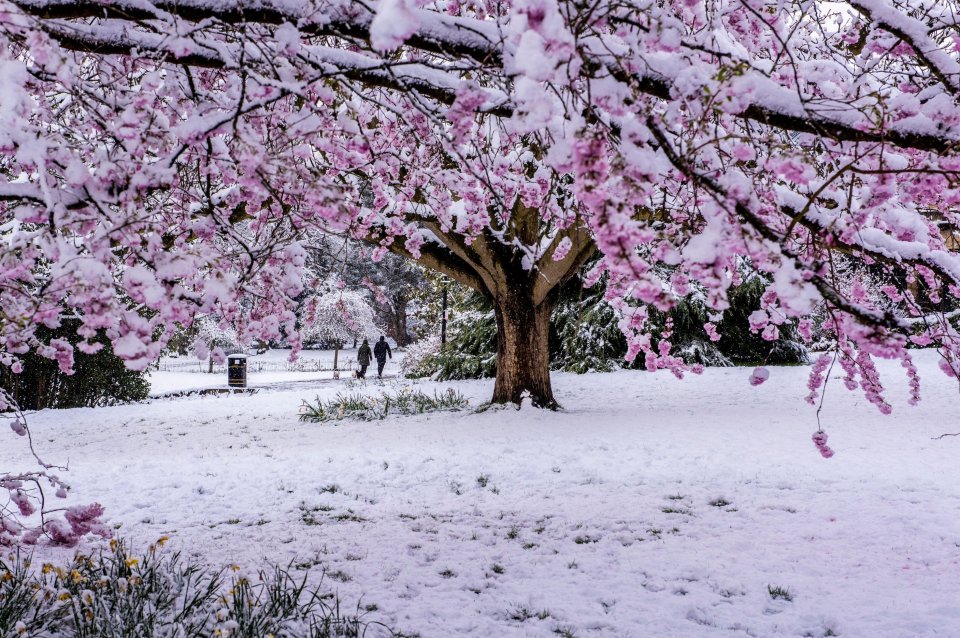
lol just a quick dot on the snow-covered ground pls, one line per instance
(271, 369)
(649, 507)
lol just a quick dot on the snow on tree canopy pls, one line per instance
(181, 172)
(337, 315)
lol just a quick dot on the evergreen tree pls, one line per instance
(99, 379)
(585, 335)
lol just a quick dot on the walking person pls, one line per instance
(381, 351)
(363, 358)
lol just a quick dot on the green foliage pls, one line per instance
(584, 335)
(471, 350)
(373, 408)
(158, 594)
(689, 338)
(99, 379)
(776, 591)
(737, 344)
(744, 347)
(428, 302)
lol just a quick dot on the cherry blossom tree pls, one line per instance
(164, 159)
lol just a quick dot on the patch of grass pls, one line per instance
(675, 510)
(522, 614)
(114, 593)
(584, 539)
(448, 573)
(483, 480)
(564, 632)
(340, 576)
(308, 513)
(719, 502)
(677, 497)
(497, 568)
(349, 515)
(776, 591)
(363, 407)
(514, 532)
(529, 545)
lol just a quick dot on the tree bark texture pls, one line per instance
(523, 350)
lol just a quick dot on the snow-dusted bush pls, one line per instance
(159, 594)
(373, 408)
(722, 339)
(585, 335)
(416, 353)
(471, 348)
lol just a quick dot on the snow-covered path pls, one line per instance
(650, 507)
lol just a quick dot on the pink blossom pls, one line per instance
(759, 375)
(820, 441)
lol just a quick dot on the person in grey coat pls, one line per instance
(381, 351)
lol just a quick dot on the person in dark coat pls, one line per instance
(363, 358)
(381, 351)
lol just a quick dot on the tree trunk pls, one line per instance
(523, 350)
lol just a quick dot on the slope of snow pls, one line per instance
(648, 507)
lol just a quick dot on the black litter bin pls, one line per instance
(237, 370)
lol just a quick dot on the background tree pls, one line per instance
(336, 315)
(390, 280)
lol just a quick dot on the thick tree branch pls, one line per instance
(914, 32)
(550, 273)
(440, 259)
(478, 41)
(829, 293)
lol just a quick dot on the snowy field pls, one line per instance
(271, 369)
(649, 507)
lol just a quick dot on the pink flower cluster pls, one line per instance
(80, 521)
(820, 440)
(759, 375)
(870, 380)
(913, 377)
(817, 377)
